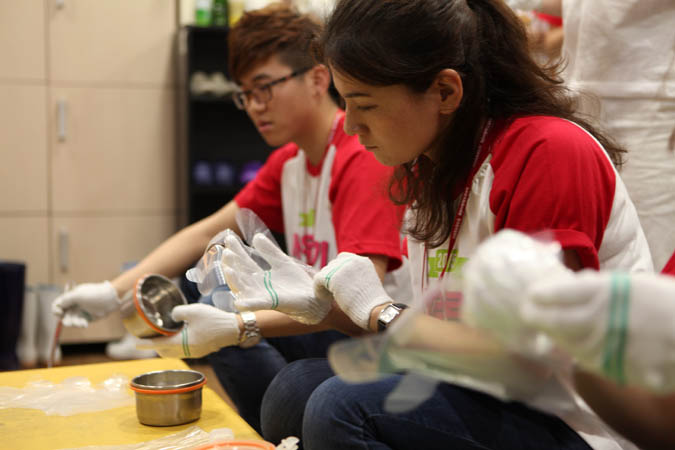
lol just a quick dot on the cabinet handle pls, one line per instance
(60, 4)
(61, 120)
(63, 249)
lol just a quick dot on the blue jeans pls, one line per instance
(245, 373)
(345, 416)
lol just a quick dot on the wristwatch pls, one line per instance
(251, 333)
(388, 314)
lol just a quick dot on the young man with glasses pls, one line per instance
(321, 189)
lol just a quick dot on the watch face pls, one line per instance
(388, 314)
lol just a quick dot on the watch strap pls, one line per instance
(250, 335)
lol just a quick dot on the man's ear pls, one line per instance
(320, 78)
(448, 86)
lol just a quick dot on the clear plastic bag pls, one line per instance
(209, 272)
(495, 280)
(72, 396)
(250, 224)
(430, 351)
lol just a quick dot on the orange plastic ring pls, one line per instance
(168, 391)
(142, 314)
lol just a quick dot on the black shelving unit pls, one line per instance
(223, 145)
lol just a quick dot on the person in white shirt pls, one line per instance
(623, 53)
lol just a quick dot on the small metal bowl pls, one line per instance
(146, 308)
(168, 397)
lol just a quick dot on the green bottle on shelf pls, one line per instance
(203, 13)
(219, 13)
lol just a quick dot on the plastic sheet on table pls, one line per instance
(187, 439)
(73, 395)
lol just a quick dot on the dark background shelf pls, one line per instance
(208, 98)
(217, 132)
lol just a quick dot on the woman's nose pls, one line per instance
(351, 126)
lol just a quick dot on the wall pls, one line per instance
(104, 193)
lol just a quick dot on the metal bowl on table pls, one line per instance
(146, 308)
(168, 397)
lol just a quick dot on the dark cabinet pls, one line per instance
(223, 148)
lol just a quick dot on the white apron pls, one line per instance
(308, 220)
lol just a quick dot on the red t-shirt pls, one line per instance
(544, 174)
(365, 221)
(560, 181)
(669, 269)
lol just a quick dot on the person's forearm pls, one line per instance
(425, 334)
(646, 419)
(173, 256)
(277, 324)
(169, 259)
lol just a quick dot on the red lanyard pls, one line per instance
(461, 210)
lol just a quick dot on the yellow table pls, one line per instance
(33, 429)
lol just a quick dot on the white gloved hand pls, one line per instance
(286, 287)
(206, 329)
(86, 302)
(495, 281)
(618, 325)
(525, 5)
(354, 284)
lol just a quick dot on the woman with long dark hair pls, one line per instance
(483, 139)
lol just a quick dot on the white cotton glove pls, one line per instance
(495, 281)
(525, 5)
(85, 303)
(206, 329)
(286, 287)
(618, 325)
(354, 284)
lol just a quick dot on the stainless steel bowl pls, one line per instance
(168, 397)
(146, 308)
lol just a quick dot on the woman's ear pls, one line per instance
(320, 78)
(448, 87)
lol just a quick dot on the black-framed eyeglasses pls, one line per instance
(263, 93)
